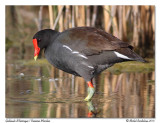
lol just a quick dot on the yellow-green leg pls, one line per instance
(91, 91)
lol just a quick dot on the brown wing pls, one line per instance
(89, 40)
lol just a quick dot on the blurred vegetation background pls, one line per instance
(133, 24)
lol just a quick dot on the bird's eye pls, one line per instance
(39, 40)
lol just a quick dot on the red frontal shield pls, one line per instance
(36, 48)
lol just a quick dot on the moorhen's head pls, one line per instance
(42, 39)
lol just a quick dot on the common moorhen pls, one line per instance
(83, 51)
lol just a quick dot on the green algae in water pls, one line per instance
(38, 62)
(133, 66)
(130, 66)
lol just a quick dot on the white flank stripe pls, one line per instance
(90, 66)
(121, 55)
(75, 52)
(67, 47)
(82, 56)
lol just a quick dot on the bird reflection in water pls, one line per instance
(92, 111)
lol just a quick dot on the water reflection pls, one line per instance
(124, 95)
(40, 91)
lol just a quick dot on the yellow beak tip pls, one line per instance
(35, 58)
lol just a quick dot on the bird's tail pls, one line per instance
(130, 54)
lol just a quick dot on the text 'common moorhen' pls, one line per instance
(83, 51)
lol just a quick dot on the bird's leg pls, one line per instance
(91, 91)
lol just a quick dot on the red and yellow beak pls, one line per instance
(36, 49)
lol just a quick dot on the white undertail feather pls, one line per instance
(121, 55)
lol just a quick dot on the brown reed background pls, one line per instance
(133, 24)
